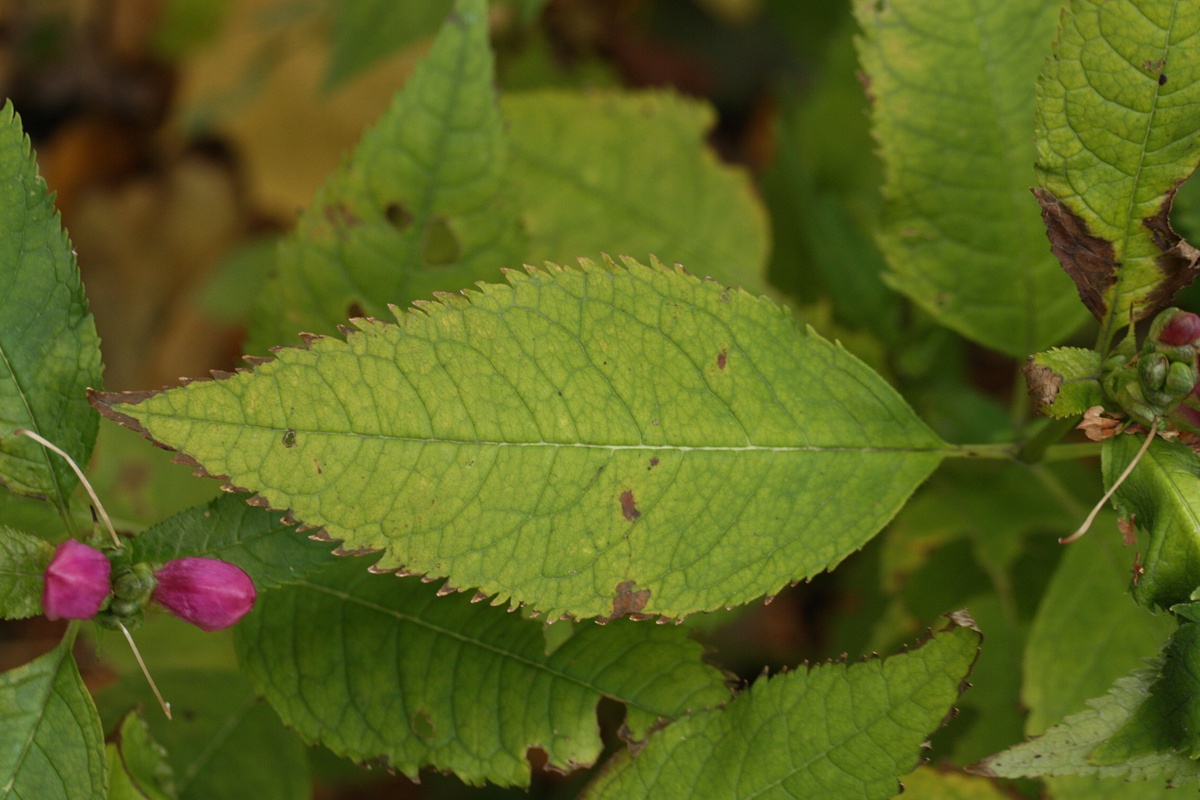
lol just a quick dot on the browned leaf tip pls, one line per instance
(1088, 259)
(1097, 426)
(1043, 383)
(103, 402)
(1179, 261)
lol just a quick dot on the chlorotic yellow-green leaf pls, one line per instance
(51, 744)
(831, 732)
(1117, 131)
(928, 783)
(952, 86)
(597, 441)
(627, 173)
(49, 351)
(1064, 381)
(137, 765)
(1066, 748)
(23, 561)
(420, 206)
(383, 669)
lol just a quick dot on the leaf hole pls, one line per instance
(289, 438)
(398, 216)
(439, 245)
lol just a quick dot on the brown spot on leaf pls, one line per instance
(722, 359)
(629, 505)
(1162, 79)
(629, 601)
(1179, 262)
(1043, 383)
(1128, 528)
(289, 438)
(1088, 259)
(653, 463)
(339, 214)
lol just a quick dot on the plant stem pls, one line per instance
(1004, 450)
(1034, 449)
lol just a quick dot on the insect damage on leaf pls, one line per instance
(629, 602)
(1043, 382)
(1088, 259)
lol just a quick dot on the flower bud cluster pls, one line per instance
(82, 582)
(1162, 380)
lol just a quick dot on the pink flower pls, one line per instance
(208, 593)
(76, 582)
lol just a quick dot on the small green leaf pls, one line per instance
(137, 765)
(420, 206)
(1065, 381)
(269, 551)
(1169, 718)
(368, 30)
(23, 562)
(598, 441)
(952, 85)
(1116, 134)
(628, 173)
(1161, 498)
(927, 783)
(375, 667)
(222, 741)
(830, 732)
(1087, 621)
(49, 351)
(1065, 749)
(51, 744)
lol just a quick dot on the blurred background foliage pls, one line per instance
(183, 137)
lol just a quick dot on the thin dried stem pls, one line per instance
(83, 478)
(1087, 523)
(166, 707)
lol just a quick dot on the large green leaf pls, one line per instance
(222, 742)
(51, 745)
(420, 205)
(1161, 499)
(1087, 632)
(268, 550)
(379, 668)
(1116, 133)
(952, 85)
(595, 441)
(49, 351)
(629, 173)
(1066, 749)
(23, 561)
(830, 732)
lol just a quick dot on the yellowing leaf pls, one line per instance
(599, 441)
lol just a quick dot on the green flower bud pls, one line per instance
(1181, 379)
(1152, 371)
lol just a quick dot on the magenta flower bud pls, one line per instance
(1181, 329)
(208, 593)
(76, 582)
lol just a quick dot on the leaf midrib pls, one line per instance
(346, 597)
(1108, 329)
